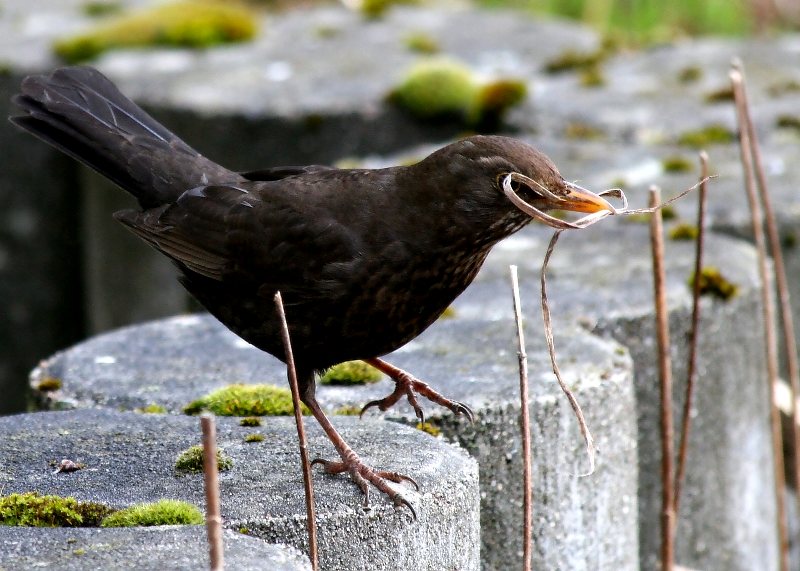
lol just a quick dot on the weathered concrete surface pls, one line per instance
(178, 548)
(588, 522)
(602, 278)
(130, 458)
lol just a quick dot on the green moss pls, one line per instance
(677, 163)
(422, 43)
(430, 428)
(582, 131)
(448, 313)
(191, 460)
(373, 9)
(351, 373)
(33, 510)
(788, 122)
(250, 421)
(721, 95)
(180, 24)
(436, 88)
(49, 384)
(683, 232)
(668, 213)
(781, 88)
(592, 77)
(100, 9)
(254, 437)
(713, 283)
(789, 240)
(494, 99)
(709, 135)
(80, 551)
(244, 530)
(327, 32)
(348, 410)
(162, 512)
(153, 409)
(572, 60)
(443, 89)
(690, 74)
(246, 400)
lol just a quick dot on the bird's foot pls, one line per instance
(363, 475)
(409, 386)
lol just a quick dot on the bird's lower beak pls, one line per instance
(578, 199)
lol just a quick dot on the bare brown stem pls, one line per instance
(311, 517)
(551, 349)
(691, 373)
(665, 377)
(781, 283)
(211, 483)
(770, 344)
(527, 477)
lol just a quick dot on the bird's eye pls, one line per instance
(515, 184)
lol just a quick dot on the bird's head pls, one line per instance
(476, 167)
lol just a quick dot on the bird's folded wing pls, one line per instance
(246, 233)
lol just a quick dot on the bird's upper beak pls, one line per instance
(578, 199)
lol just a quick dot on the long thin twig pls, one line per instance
(691, 373)
(525, 421)
(770, 344)
(211, 483)
(781, 283)
(311, 517)
(665, 377)
(551, 349)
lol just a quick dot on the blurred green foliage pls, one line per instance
(647, 21)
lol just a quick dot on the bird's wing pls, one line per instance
(278, 173)
(260, 232)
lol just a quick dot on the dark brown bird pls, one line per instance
(365, 259)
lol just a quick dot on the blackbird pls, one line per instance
(365, 259)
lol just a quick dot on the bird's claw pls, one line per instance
(363, 475)
(408, 386)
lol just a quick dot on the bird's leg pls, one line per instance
(360, 473)
(409, 386)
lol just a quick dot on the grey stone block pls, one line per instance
(176, 548)
(130, 458)
(581, 523)
(602, 278)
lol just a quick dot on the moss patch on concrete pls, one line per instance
(162, 512)
(34, 510)
(713, 283)
(191, 460)
(351, 373)
(180, 24)
(246, 400)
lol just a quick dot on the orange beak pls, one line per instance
(578, 199)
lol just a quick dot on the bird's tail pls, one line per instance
(81, 113)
